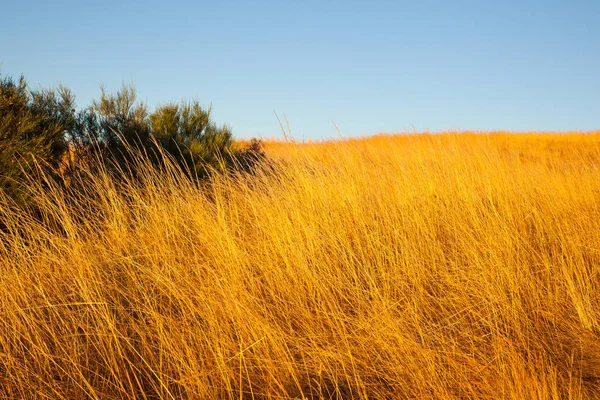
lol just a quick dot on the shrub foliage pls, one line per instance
(33, 127)
(41, 130)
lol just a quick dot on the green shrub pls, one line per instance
(186, 132)
(32, 133)
(114, 129)
(122, 128)
(40, 131)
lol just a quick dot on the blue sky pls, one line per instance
(370, 66)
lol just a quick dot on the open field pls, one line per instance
(446, 266)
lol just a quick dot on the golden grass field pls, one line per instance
(426, 266)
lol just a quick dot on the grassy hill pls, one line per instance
(435, 266)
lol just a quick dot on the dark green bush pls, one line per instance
(120, 128)
(33, 126)
(40, 131)
(186, 132)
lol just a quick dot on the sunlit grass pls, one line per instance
(419, 266)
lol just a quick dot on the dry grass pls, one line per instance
(424, 266)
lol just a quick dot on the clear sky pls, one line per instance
(370, 66)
